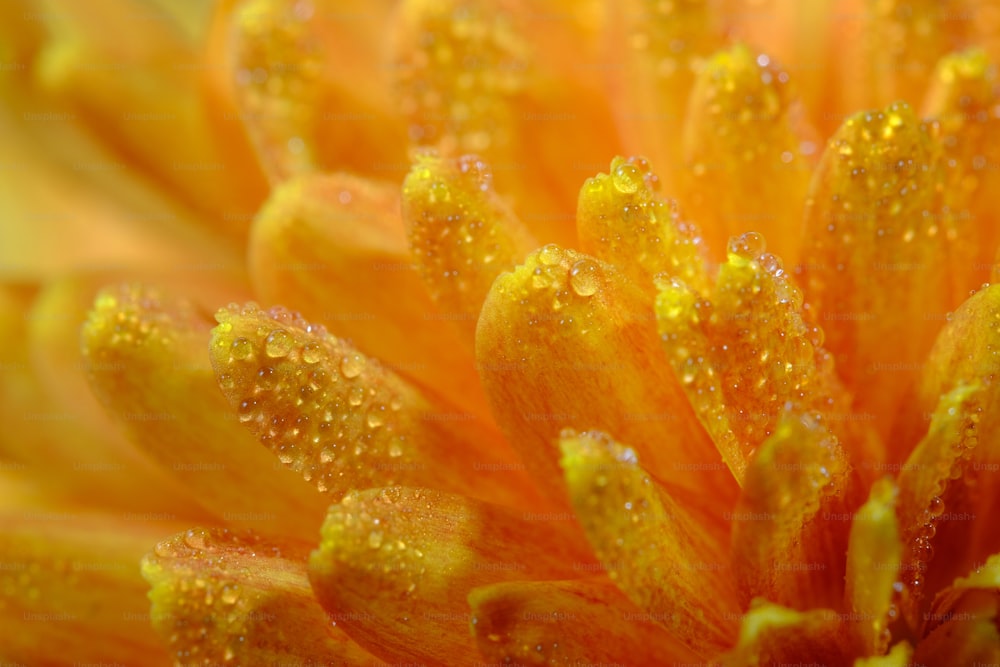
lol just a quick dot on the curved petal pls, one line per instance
(181, 420)
(669, 561)
(334, 247)
(743, 136)
(235, 598)
(566, 340)
(346, 422)
(397, 564)
(775, 635)
(789, 527)
(552, 622)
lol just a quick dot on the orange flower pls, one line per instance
(507, 411)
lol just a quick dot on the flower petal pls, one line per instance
(227, 598)
(665, 43)
(874, 555)
(149, 113)
(181, 420)
(321, 237)
(573, 330)
(962, 98)
(961, 626)
(901, 655)
(71, 590)
(865, 227)
(742, 137)
(397, 564)
(774, 635)
(311, 85)
(622, 219)
(346, 422)
(553, 622)
(462, 235)
(502, 80)
(789, 524)
(750, 352)
(670, 562)
(961, 464)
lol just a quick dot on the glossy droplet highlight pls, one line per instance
(583, 277)
(278, 344)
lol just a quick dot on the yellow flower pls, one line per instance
(508, 411)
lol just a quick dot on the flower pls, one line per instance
(506, 412)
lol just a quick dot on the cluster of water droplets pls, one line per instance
(325, 409)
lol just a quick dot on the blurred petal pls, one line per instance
(552, 623)
(181, 420)
(346, 422)
(744, 168)
(874, 556)
(959, 461)
(504, 81)
(224, 598)
(664, 44)
(874, 259)
(622, 219)
(963, 98)
(140, 94)
(961, 626)
(70, 590)
(669, 562)
(789, 524)
(774, 635)
(462, 235)
(900, 656)
(311, 85)
(321, 237)
(566, 340)
(752, 352)
(397, 564)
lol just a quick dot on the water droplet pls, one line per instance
(395, 450)
(351, 366)
(355, 396)
(583, 277)
(230, 594)
(936, 506)
(241, 349)
(627, 178)
(550, 255)
(312, 353)
(278, 344)
(375, 539)
(376, 417)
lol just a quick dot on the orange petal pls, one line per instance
(745, 166)
(665, 43)
(312, 86)
(962, 98)
(901, 42)
(71, 590)
(959, 461)
(575, 332)
(346, 422)
(874, 258)
(775, 635)
(553, 623)
(140, 95)
(752, 352)
(874, 556)
(961, 626)
(929, 481)
(622, 219)
(504, 81)
(670, 562)
(462, 235)
(901, 655)
(227, 598)
(789, 526)
(181, 420)
(397, 564)
(319, 238)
